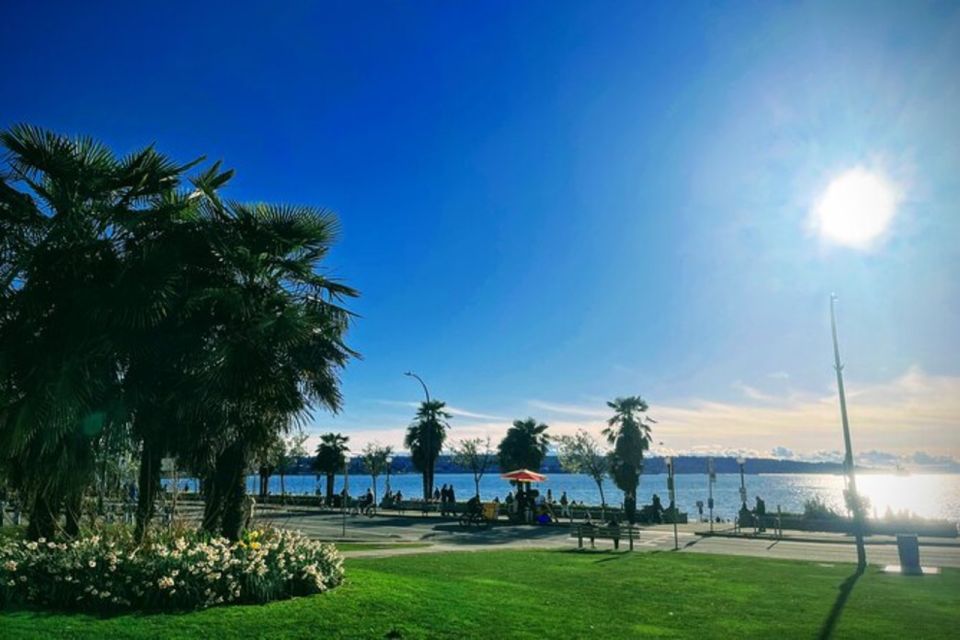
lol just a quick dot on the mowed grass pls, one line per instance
(559, 594)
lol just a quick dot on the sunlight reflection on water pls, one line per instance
(926, 495)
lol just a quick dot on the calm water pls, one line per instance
(929, 495)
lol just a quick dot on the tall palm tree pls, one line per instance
(524, 446)
(629, 434)
(205, 326)
(425, 438)
(278, 340)
(331, 458)
(67, 207)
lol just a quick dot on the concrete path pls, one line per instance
(445, 535)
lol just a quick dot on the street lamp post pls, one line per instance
(389, 464)
(428, 486)
(854, 497)
(743, 486)
(673, 501)
(345, 497)
(711, 478)
(743, 494)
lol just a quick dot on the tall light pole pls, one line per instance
(711, 478)
(743, 485)
(853, 496)
(426, 392)
(673, 502)
(428, 486)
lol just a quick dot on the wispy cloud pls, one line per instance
(463, 413)
(894, 416)
(570, 409)
(886, 416)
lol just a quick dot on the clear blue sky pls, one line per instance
(548, 204)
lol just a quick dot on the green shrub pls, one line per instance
(172, 570)
(816, 509)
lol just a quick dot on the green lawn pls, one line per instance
(558, 594)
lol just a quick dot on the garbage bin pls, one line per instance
(490, 510)
(909, 550)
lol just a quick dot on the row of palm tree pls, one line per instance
(137, 303)
(524, 446)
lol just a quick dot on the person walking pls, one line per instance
(564, 505)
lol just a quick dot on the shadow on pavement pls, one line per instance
(830, 624)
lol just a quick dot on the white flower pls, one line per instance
(10, 565)
(92, 564)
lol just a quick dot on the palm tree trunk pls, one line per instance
(630, 505)
(149, 481)
(230, 466)
(43, 519)
(476, 483)
(212, 516)
(283, 490)
(74, 508)
(330, 478)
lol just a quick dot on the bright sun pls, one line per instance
(856, 208)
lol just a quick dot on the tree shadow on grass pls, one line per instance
(830, 624)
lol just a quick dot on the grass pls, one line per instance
(560, 594)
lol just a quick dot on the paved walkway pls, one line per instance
(445, 535)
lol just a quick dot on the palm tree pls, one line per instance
(331, 458)
(278, 344)
(629, 434)
(524, 446)
(68, 208)
(425, 438)
(205, 327)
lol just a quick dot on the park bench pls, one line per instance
(615, 533)
(423, 506)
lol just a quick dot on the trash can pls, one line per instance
(490, 510)
(909, 550)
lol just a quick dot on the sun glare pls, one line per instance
(856, 208)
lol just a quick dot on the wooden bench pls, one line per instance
(423, 506)
(616, 534)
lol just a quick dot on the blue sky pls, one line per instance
(547, 204)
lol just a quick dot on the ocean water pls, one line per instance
(925, 495)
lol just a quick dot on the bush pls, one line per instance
(173, 570)
(816, 509)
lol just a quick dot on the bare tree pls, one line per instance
(582, 454)
(476, 455)
(376, 457)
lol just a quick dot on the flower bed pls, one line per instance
(185, 570)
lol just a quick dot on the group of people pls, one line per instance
(530, 504)
(446, 497)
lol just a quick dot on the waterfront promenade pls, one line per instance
(435, 534)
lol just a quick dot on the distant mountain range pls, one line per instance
(684, 464)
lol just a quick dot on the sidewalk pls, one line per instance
(825, 537)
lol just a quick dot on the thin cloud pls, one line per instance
(463, 413)
(886, 416)
(569, 409)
